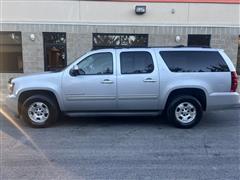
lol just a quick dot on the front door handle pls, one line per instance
(107, 81)
(149, 80)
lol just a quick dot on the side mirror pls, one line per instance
(75, 68)
(75, 71)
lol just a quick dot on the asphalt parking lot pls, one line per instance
(122, 148)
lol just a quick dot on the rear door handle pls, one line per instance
(107, 81)
(149, 80)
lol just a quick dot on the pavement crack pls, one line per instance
(206, 146)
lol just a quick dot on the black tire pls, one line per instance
(184, 100)
(48, 102)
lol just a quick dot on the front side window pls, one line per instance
(11, 60)
(136, 62)
(194, 61)
(97, 64)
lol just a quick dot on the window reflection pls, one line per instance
(136, 62)
(194, 61)
(101, 40)
(11, 52)
(97, 64)
(55, 51)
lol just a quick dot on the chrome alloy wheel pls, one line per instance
(185, 112)
(38, 112)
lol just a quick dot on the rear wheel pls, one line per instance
(185, 111)
(40, 111)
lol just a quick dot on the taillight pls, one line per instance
(234, 82)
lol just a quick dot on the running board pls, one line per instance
(99, 114)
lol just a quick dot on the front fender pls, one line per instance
(54, 91)
(47, 82)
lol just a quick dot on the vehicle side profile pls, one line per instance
(181, 82)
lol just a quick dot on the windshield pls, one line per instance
(72, 62)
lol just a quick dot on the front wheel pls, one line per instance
(185, 111)
(40, 111)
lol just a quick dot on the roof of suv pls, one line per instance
(167, 48)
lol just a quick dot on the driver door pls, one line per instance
(94, 89)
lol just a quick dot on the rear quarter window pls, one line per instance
(194, 61)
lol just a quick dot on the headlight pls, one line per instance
(10, 86)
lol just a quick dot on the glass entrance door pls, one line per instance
(54, 51)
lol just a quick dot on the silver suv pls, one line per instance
(179, 82)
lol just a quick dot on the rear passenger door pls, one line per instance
(137, 80)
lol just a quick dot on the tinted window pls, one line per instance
(194, 61)
(100, 63)
(136, 62)
(55, 54)
(11, 52)
(238, 57)
(198, 40)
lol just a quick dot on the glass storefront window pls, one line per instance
(103, 40)
(238, 57)
(55, 54)
(199, 40)
(11, 60)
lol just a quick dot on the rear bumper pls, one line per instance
(12, 103)
(220, 101)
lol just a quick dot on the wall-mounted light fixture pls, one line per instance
(13, 36)
(173, 11)
(178, 39)
(139, 10)
(32, 37)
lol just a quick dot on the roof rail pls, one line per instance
(177, 46)
(199, 46)
(180, 46)
(117, 47)
(126, 47)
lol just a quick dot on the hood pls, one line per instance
(36, 76)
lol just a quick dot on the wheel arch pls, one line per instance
(198, 93)
(28, 93)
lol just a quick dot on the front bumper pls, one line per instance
(12, 103)
(221, 101)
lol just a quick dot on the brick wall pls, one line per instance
(79, 41)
